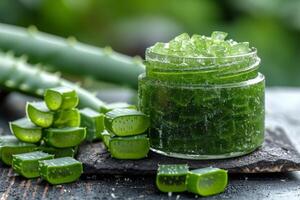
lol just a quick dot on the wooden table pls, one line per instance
(282, 107)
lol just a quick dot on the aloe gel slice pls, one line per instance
(171, 178)
(131, 147)
(58, 152)
(207, 181)
(26, 131)
(10, 145)
(26, 164)
(39, 114)
(60, 170)
(94, 122)
(66, 118)
(105, 136)
(116, 105)
(126, 122)
(61, 98)
(64, 137)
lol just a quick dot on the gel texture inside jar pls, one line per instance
(204, 96)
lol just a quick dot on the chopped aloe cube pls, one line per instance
(60, 170)
(64, 137)
(218, 35)
(171, 178)
(116, 105)
(93, 121)
(26, 164)
(131, 147)
(105, 136)
(61, 98)
(26, 131)
(126, 122)
(58, 152)
(10, 146)
(39, 114)
(67, 118)
(207, 181)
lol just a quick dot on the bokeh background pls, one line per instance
(272, 26)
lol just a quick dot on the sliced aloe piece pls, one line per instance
(116, 105)
(26, 164)
(207, 181)
(39, 114)
(171, 178)
(131, 147)
(14, 146)
(26, 131)
(60, 170)
(58, 152)
(105, 136)
(61, 98)
(93, 121)
(67, 118)
(126, 122)
(64, 137)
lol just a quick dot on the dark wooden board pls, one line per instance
(276, 155)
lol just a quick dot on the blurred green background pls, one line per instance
(272, 26)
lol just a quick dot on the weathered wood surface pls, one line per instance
(276, 155)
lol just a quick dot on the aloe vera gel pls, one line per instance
(204, 96)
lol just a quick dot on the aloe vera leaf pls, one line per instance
(58, 152)
(64, 137)
(26, 131)
(13, 146)
(207, 181)
(26, 164)
(60, 170)
(130, 147)
(70, 56)
(116, 105)
(171, 178)
(126, 122)
(39, 114)
(61, 98)
(66, 118)
(105, 136)
(17, 75)
(6, 139)
(93, 121)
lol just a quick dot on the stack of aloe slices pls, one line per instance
(51, 131)
(125, 135)
(177, 178)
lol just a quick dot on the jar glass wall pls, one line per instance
(209, 109)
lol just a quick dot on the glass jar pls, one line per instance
(203, 107)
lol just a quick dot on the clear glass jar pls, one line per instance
(203, 107)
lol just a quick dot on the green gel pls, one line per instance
(26, 131)
(60, 170)
(126, 122)
(66, 118)
(39, 114)
(61, 98)
(26, 164)
(171, 178)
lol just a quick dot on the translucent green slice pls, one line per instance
(126, 122)
(26, 164)
(60, 170)
(26, 131)
(58, 152)
(116, 105)
(105, 136)
(10, 146)
(61, 98)
(39, 114)
(64, 137)
(131, 147)
(171, 178)
(66, 118)
(207, 181)
(94, 122)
